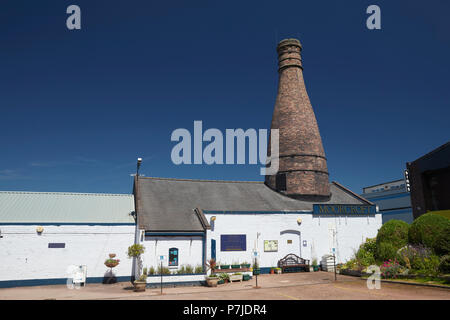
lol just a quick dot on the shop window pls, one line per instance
(173, 257)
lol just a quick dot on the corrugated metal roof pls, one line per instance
(59, 207)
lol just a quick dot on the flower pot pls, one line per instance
(225, 266)
(112, 264)
(235, 266)
(112, 255)
(272, 271)
(256, 271)
(221, 281)
(212, 281)
(246, 277)
(316, 268)
(139, 286)
(245, 265)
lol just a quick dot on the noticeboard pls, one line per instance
(233, 242)
(270, 245)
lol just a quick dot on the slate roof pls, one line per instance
(64, 208)
(168, 204)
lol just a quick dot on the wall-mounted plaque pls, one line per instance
(270, 245)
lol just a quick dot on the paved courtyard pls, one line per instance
(295, 286)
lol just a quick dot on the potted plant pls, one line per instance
(135, 251)
(110, 263)
(245, 264)
(277, 270)
(141, 283)
(272, 270)
(315, 265)
(236, 265)
(212, 280)
(224, 266)
(211, 265)
(225, 277)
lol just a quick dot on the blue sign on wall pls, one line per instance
(344, 209)
(233, 242)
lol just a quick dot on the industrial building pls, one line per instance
(392, 198)
(184, 222)
(430, 181)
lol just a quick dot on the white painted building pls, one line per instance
(42, 234)
(229, 220)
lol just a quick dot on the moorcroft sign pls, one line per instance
(347, 209)
(213, 153)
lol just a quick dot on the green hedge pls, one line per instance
(431, 230)
(392, 236)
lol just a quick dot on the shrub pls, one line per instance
(151, 271)
(351, 264)
(135, 250)
(431, 230)
(444, 264)
(143, 277)
(392, 236)
(394, 232)
(365, 255)
(163, 270)
(224, 276)
(370, 245)
(189, 269)
(386, 251)
(198, 269)
(390, 269)
(442, 244)
(427, 266)
(411, 255)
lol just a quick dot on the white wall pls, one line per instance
(350, 233)
(25, 255)
(189, 250)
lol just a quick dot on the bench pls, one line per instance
(293, 263)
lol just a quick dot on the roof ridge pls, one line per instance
(66, 193)
(352, 193)
(200, 180)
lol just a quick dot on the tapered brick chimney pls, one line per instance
(303, 172)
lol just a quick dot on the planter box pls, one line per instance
(256, 271)
(236, 277)
(246, 277)
(245, 265)
(225, 266)
(212, 281)
(235, 266)
(139, 286)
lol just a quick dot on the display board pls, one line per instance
(233, 242)
(270, 245)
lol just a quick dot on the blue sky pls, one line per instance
(78, 107)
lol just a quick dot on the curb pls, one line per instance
(416, 284)
(413, 283)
